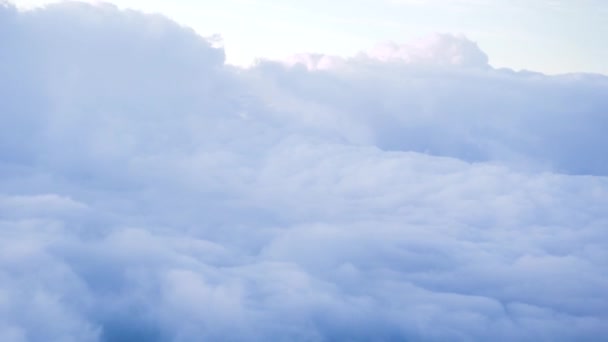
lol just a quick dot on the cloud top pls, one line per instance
(439, 49)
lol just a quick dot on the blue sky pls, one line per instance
(551, 36)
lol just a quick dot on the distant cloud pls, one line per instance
(150, 192)
(436, 50)
(440, 49)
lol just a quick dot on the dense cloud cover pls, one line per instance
(149, 192)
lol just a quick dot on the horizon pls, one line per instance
(548, 36)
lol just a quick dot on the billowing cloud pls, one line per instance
(433, 51)
(440, 49)
(151, 192)
(474, 113)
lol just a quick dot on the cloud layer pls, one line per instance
(150, 192)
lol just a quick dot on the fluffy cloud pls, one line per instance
(472, 113)
(436, 50)
(440, 49)
(150, 192)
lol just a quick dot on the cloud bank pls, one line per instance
(412, 192)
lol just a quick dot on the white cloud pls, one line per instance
(436, 50)
(150, 192)
(440, 49)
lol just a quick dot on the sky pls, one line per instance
(550, 36)
(410, 191)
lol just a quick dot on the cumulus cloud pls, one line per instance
(439, 49)
(436, 50)
(471, 113)
(150, 192)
